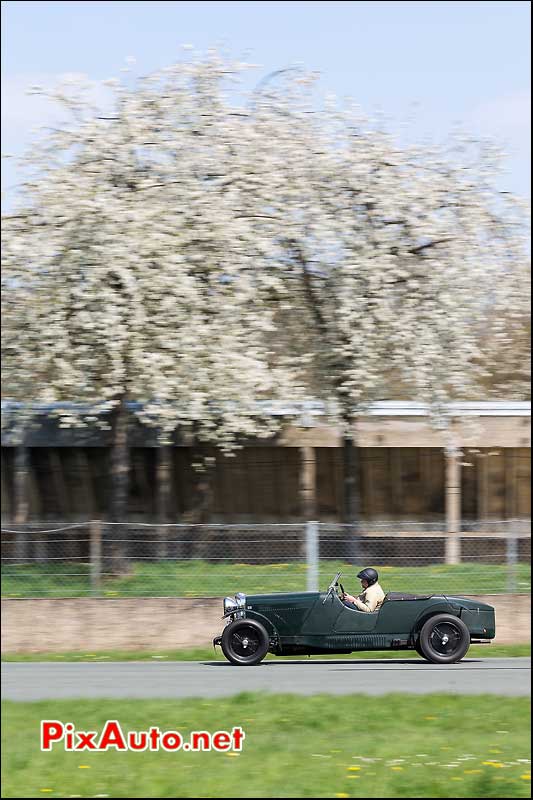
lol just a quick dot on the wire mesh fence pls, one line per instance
(179, 560)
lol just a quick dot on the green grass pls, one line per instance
(205, 579)
(208, 654)
(322, 746)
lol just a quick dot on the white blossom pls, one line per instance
(197, 254)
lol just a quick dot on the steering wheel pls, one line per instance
(332, 587)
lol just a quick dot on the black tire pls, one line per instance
(444, 639)
(419, 650)
(245, 642)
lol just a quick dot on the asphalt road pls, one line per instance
(40, 681)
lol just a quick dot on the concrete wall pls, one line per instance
(62, 625)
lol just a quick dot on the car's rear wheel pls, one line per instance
(245, 642)
(419, 650)
(444, 639)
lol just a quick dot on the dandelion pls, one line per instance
(397, 768)
(473, 771)
(342, 794)
(353, 769)
(526, 777)
(495, 764)
(232, 755)
(84, 766)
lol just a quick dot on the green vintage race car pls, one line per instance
(439, 627)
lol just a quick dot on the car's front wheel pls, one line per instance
(245, 642)
(444, 639)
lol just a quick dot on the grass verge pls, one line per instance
(199, 578)
(394, 746)
(208, 654)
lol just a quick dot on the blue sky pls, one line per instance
(439, 64)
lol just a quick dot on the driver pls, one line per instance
(372, 595)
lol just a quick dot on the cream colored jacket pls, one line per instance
(371, 599)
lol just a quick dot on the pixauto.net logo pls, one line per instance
(112, 737)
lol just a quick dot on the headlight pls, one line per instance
(230, 605)
(241, 599)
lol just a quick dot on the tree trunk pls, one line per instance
(120, 464)
(21, 504)
(21, 485)
(307, 484)
(164, 474)
(351, 488)
(120, 472)
(200, 514)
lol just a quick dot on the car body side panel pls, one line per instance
(287, 612)
(322, 618)
(405, 616)
(480, 622)
(315, 622)
(351, 620)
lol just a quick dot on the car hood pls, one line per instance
(282, 598)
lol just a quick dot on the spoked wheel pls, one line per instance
(245, 642)
(444, 639)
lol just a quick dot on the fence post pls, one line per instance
(512, 561)
(96, 556)
(311, 552)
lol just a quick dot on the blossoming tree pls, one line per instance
(197, 254)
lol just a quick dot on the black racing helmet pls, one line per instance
(368, 574)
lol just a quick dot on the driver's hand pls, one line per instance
(348, 597)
